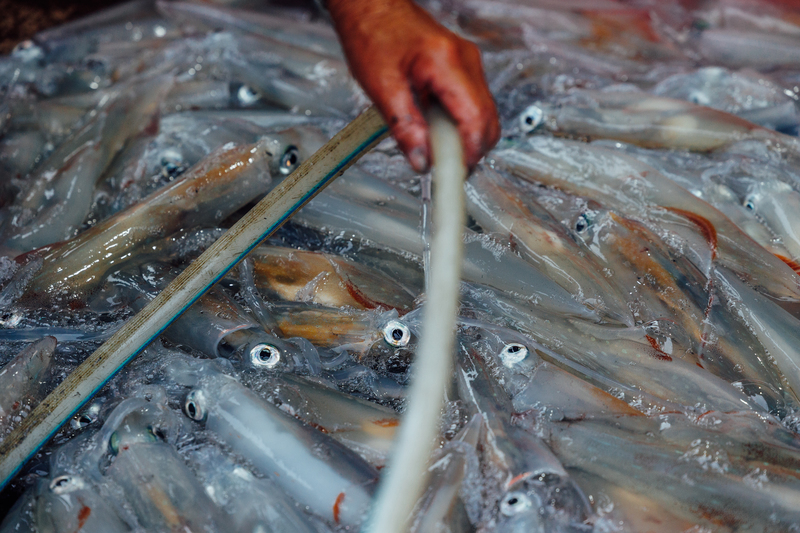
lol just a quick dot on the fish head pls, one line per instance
(509, 354)
(290, 147)
(547, 502)
(198, 401)
(267, 353)
(144, 418)
(761, 195)
(395, 343)
(531, 118)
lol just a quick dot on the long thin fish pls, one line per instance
(269, 214)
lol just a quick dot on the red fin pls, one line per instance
(792, 264)
(708, 229)
(83, 516)
(657, 352)
(336, 504)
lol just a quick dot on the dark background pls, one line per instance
(20, 20)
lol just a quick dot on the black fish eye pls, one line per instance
(749, 205)
(265, 356)
(514, 503)
(397, 334)
(582, 223)
(195, 405)
(289, 160)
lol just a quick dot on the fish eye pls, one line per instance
(195, 405)
(289, 160)
(82, 420)
(113, 443)
(531, 118)
(156, 433)
(265, 356)
(699, 98)
(515, 503)
(246, 95)
(172, 163)
(513, 353)
(395, 333)
(582, 223)
(65, 483)
(749, 204)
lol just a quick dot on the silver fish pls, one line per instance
(535, 489)
(499, 205)
(629, 187)
(440, 506)
(220, 184)
(252, 504)
(60, 194)
(365, 427)
(161, 489)
(312, 468)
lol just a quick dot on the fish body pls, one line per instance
(69, 503)
(252, 504)
(214, 188)
(326, 279)
(500, 206)
(365, 427)
(21, 378)
(629, 186)
(309, 466)
(60, 194)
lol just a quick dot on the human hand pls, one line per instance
(403, 58)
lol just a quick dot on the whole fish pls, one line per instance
(212, 189)
(159, 487)
(309, 466)
(653, 122)
(629, 187)
(499, 205)
(536, 492)
(60, 193)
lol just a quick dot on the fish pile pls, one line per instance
(628, 342)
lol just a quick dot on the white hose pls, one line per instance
(261, 221)
(404, 479)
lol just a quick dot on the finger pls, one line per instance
(440, 70)
(392, 95)
(471, 59)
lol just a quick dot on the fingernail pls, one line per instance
(418, 160)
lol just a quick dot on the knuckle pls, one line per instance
(443, 44)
